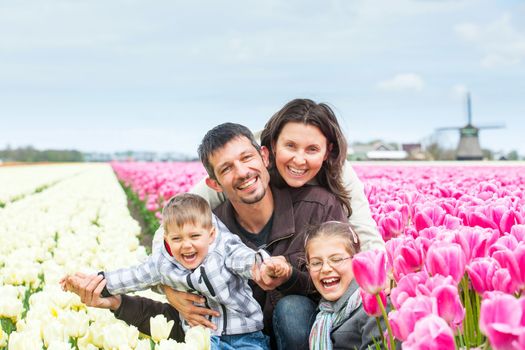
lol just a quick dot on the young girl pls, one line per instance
(341, 322)
(307, 147)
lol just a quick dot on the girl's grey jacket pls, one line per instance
(222, 279)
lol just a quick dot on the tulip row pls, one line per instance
(455, 250)
(81, 223)
(155, 183)
(20, 181)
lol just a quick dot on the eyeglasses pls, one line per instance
(333, 261)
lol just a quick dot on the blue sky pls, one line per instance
(110, 75)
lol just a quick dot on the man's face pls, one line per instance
(240, 171)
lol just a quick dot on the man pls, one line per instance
(264, 217)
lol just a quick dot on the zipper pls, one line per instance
(212, 292)
(225, 322)
(207, 281)
(264, 246)
(190, 284)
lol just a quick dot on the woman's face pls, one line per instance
(299, 152)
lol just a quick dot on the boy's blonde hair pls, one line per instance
(334, 229)
(186, 208)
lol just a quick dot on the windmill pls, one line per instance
(469, 147)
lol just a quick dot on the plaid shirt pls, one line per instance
(222, 279)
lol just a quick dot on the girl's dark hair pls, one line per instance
(334, 229)
(320, 115)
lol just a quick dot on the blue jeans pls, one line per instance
(246, 341)
(293, 318)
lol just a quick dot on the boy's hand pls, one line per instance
(276, 267)
(184, 303)
(88, 288)
(266, 276)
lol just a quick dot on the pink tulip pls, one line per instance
(407, 288)
(432, 283)
(369, 269)
(481, 273)
(427, 216)
(404, 319)
(502, 320)
(449, 305)
(446, 259)
(518, 231)
(430, 333)
(370, 304)
(502, 281)
(475, 241)
(514, 261)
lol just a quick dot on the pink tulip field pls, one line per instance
(454, 265)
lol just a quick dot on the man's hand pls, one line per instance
(272, 272)
(184, 303)
(88, 288)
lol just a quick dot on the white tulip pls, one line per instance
(3, 338)
(143, 344)
(10, 308)
(74, 323)
(53, 332)
(160, 328)
(24, 341)
(170, 344)
(198, 337)
(59, 345)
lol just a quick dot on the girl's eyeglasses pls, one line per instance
(333, 261)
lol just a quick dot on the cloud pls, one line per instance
(459, 90)
(499, 42)
(406, 81)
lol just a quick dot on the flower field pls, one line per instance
(455, 247)
(78, 222)
(455, 251)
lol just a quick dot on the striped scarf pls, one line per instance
(331, 315)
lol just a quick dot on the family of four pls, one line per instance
(260, 251)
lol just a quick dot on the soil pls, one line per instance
(144, 238)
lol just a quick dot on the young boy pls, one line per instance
(200, 255)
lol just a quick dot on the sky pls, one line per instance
(115, 75)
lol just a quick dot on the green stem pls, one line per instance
(385, 316)
(380, 330)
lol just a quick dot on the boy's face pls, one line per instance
(190, 244)
(335, 273)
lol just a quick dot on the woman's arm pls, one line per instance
(361, 218)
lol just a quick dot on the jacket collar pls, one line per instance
(283, 214)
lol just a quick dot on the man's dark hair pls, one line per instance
(217, 138)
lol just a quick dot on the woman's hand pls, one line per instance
(88, 288)
(184, 303)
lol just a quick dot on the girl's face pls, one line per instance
(330, 266)
(299, 152)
